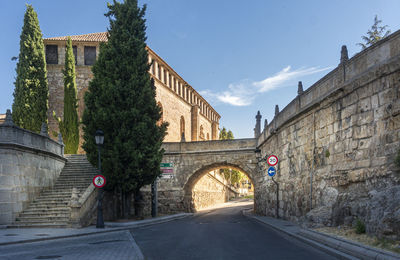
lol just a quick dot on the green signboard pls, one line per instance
(166, 165)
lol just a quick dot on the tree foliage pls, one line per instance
(233, 176)
(69, 125)
(31, 91)
(375, 34)
(121, 102)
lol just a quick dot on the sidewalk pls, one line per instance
(338, 247)
(23, 235)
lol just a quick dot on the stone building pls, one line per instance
(188, 113)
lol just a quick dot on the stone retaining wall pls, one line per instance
(29, 162)
(340, 136)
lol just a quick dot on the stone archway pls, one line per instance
(197, 175)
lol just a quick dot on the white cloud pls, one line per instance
(244, 92)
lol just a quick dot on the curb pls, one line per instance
(338, 247)
(114, 227)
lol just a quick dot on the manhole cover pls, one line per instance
(108, 241)
(48, 257)
(10, 235)
(42, 235)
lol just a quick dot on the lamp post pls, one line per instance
(99, 137)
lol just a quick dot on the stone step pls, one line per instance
(38, 225)
(48, 204)
(42, 219)
(45, 209)
(26, 215)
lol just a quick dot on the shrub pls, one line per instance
(360, 226)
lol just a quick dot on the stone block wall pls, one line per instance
(29, 162)
(337, 142)
(209, 191)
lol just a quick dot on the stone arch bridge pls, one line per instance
(192, 160)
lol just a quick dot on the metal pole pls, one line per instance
(100, 221)
(154, 199)
(277, 197)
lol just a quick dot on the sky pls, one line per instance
(242, 56)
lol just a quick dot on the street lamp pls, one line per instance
(99, 137)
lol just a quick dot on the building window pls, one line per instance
(90, 55)
(159, 71)
(170, 81)
(152, 67)
(208, 136)
(75, 51)
(51, 54)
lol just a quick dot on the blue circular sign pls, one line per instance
(271, 171)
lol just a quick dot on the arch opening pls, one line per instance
(211, 185)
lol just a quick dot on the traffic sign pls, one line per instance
(271, 171)
(99, 181)
(166, 165)
(272, 160)
(166, 170)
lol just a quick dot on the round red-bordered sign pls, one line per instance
(99, 181)
(272, 160)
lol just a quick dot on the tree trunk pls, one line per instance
(138, 204)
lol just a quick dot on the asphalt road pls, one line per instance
(220, 234)
(114, 246)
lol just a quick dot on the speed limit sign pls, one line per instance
(272, 160)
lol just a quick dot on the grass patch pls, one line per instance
(249, 197)
(350, 234)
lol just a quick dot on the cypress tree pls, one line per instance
(69, 126)
(121, 102)
(31, 91)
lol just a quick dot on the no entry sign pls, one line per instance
(99, 181)
(272, 160)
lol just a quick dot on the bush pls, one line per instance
(360, 226)
(397, 159)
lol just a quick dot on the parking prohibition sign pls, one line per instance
(272, 160)
(99, 181)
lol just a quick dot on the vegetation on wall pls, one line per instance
(31, 91)
(375, 34)
(121, 102)
(69, 125)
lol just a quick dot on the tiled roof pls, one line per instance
(90, 37)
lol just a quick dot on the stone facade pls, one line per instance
(336, 143)
(29, 162)
(186, 110)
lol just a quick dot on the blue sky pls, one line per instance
(243, 56)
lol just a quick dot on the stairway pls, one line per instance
(50, 208)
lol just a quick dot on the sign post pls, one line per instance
(273, 161)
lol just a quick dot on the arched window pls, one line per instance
(182, 126)
(161, 111)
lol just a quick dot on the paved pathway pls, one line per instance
(220, 234)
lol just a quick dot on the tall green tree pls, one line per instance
(375, 34)
(69, 125)
(233, 176)
(121, 102)
(31, 91)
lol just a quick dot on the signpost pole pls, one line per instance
(100, 221)
(154, 199)
(277, 197)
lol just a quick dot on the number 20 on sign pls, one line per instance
(272, 160)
